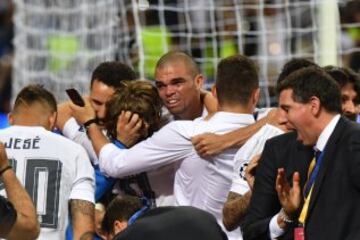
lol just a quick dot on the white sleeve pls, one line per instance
(239, 184)
(172, 143)
(274, 228)
(254, 146)
(72, 130)
(241, 160)
(83, 186)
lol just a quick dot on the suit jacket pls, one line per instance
(334, 210)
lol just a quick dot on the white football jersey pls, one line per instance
(254, 146)
(53, 170)
(161, 180)
(75, 132)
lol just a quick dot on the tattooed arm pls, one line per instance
(83, 216)
(24, 223)
(235, 209)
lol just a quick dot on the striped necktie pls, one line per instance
(310, 170)
(308, 188)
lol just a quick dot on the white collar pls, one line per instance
(230, 117)
(23, 127)
(326, 133)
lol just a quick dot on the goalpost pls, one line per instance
(59, 42)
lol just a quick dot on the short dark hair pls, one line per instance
(175, 56)
(35, 93)
(344, 76)
(139, 97)
(237, 78)
(112, 73)
(294, 65)
(313, 81)
(120, 208)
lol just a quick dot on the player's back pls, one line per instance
(53, 170)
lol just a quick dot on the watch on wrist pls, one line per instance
(285, 217)
(89, 122)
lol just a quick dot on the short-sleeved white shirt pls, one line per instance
(73, 131)
(53, 170)
(252, 147)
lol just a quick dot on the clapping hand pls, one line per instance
(289, 197)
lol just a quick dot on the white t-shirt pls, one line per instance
(198, 182)
(254, 146)
(53, 170)
(72, 130)
(161, 180)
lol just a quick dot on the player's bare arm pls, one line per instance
(129, 125)
(209, 144)
(26, 225)
(83, 217)
(235, 209)
(84, 115)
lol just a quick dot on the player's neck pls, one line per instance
(236, 108)
(195, 111)
(30, 120)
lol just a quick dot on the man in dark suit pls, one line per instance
(311, 102)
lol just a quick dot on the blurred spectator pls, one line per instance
(350, 14)
(6, 51)
(349, 83)
(6, 27)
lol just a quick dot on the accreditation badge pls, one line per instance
(299, 233)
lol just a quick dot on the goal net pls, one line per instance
(59, 42)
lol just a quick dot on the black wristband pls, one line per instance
(89, 122)
(5, 169)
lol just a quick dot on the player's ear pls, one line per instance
(52, 120)
(256, 96)
(119, 226)
(199, 81)
(213, 91)
(11, 119)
